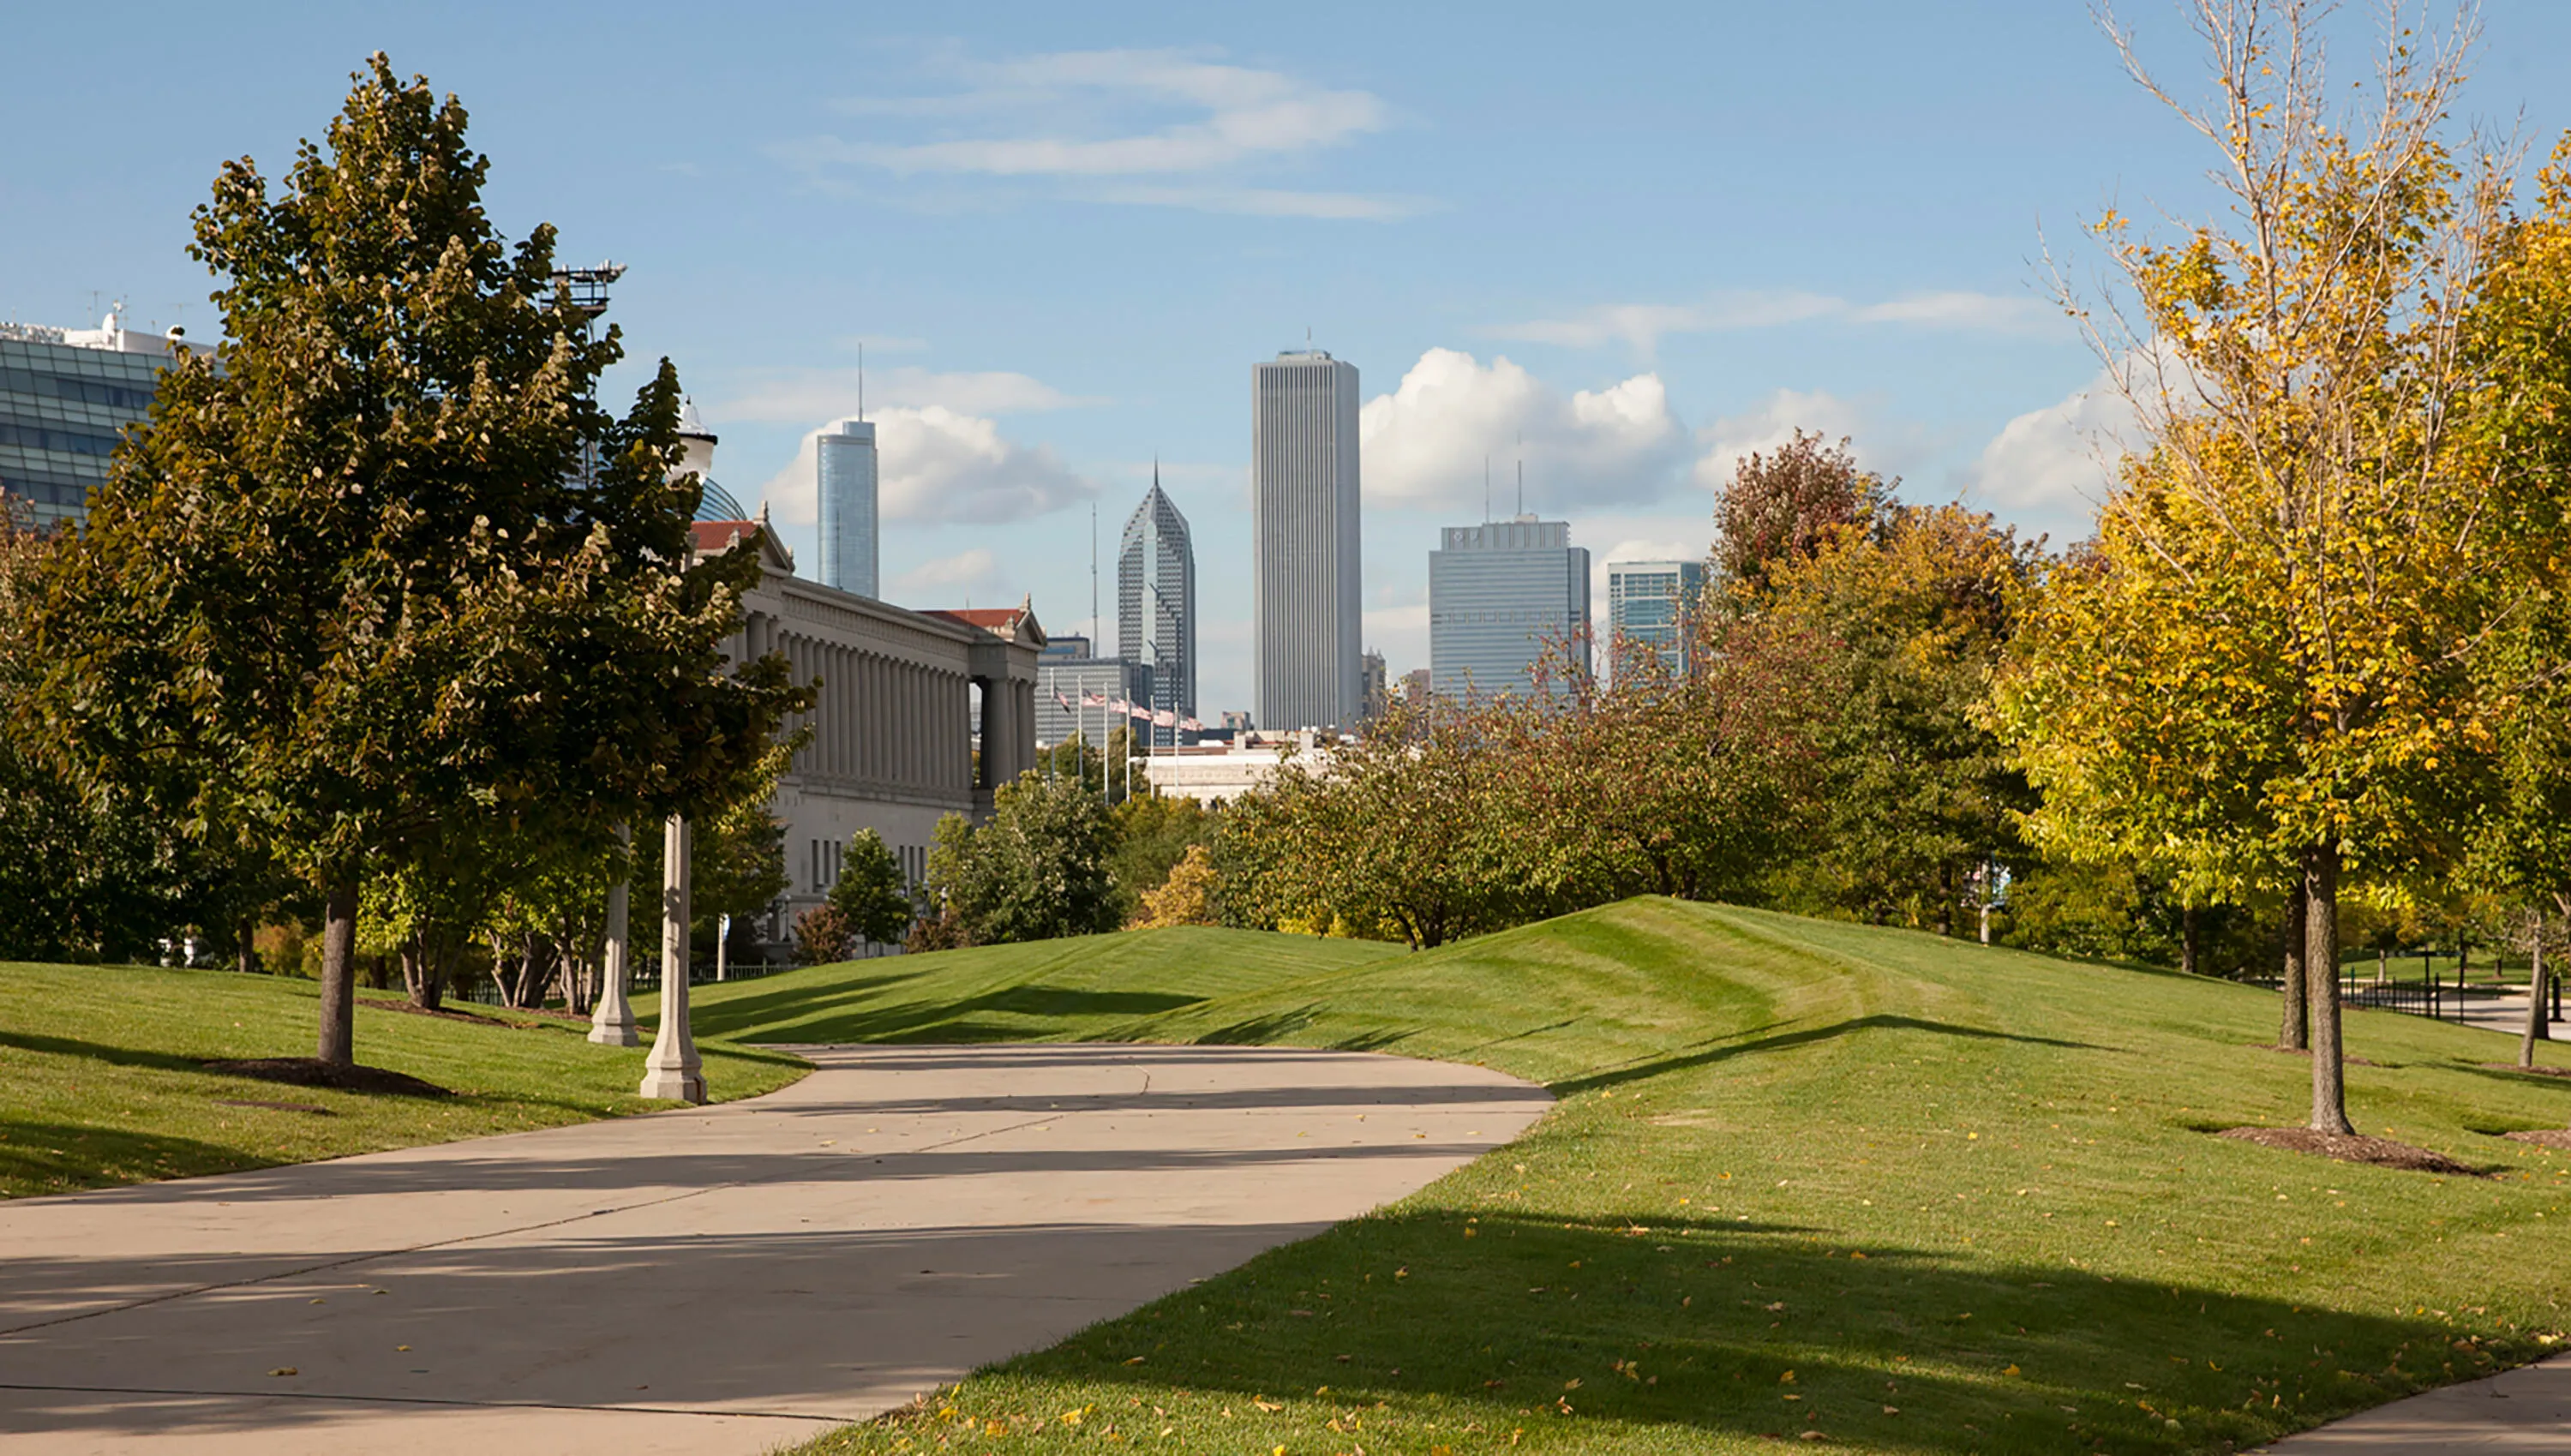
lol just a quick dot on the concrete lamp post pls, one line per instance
(673, 1073)
(611, 1024)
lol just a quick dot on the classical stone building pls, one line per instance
(921, 713)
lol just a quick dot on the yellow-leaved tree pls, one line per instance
(2265, 668)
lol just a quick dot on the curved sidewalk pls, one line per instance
(716, 1279)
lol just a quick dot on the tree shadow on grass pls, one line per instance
(1616, 1329)
(98, 1052)
(1616, 1077)
(815, 1018)
(44, 1157)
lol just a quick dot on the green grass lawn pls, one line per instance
(101, 1067)
(1911, 1195)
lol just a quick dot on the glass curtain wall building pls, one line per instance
(1156, 604)
(1648, 607)
(65, 395)
(1500, 595)
(1306, 606)
(844, 455)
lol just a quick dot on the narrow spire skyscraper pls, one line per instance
(1306, 603)
(1156, 602)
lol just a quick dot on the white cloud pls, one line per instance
(791, 395)
(1270, 201)
(1774, 423)
(2059, 460)
(1085, 119)
(945, 576)
(1642, 327)
(937, 464)
(1425, 443)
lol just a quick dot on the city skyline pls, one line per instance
(1054, 234)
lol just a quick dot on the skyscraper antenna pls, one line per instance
(1093, 581)
(862, 381)
(1486, 489)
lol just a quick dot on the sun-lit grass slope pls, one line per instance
(1094, 985)
(1908, 1193)
(101, 1078)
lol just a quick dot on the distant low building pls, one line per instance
(1216, 774)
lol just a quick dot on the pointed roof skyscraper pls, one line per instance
(1155, 602)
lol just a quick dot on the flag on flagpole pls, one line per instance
(1061, 701)
(1165, 718)
(1093, 699)
(1192, 725)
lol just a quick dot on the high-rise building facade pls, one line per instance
(844, 458)
(1500, 595)
(1648, 608)
(1156, 603)
(1306, 606)
(65, 394)
(1372, 683)
(1068, 678)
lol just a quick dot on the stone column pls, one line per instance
(672, 1073)
(611, 1024)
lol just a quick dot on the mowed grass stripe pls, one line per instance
(1964, 1197)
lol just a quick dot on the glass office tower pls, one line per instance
(1500, 595)
(65, 394)
(1649, 604)
(845, 456)
(1156, 604)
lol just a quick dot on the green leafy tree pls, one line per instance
(1915, 795)
(1151, 833)
(1036, 872)
(1185, 898)
(388, 566)
(874, 895)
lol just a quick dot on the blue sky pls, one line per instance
(1638, 238)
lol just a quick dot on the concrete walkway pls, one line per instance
(721, 1279)
(2519, 1412)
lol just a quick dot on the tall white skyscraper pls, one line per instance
(845, 455)
(1156, 602)
(1305, 605)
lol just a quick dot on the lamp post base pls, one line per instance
(674, 1083)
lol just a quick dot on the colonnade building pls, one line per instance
(920, 715)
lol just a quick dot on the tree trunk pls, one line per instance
(2187, 940)
(2536, 1030)
(2321, 981)
(1946, 898)
(2292, 1032)
(337, 1045)
(246, 950)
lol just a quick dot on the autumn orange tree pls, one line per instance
(2271, 664)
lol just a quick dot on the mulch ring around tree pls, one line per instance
(311, 1072)
(2353, 1148)
(2544, 1136)
(2529, 1071)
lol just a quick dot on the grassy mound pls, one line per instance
(1888, 1191)
(108, 1077)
